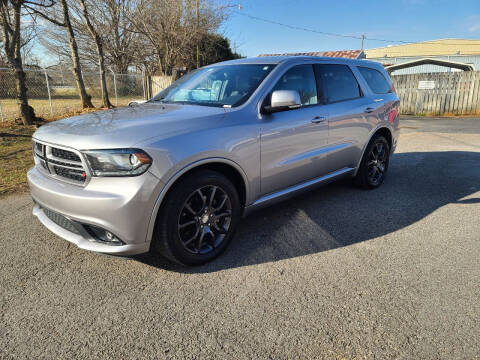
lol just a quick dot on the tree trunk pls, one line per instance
(26, 111)
(101, 59)
(12, 45)
(77, 71)
(103, 80)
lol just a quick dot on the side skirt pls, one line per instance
(284, 194)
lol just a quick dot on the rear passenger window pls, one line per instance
(336, 83)
(375, 80)
(300, 78)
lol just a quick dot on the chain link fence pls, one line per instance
(53, 93)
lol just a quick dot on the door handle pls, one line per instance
(368, 110)
(378, 100)
(319, 119)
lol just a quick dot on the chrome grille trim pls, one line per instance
(61, 167)
(38, 148)
(65, 164)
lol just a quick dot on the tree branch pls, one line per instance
(46, 17)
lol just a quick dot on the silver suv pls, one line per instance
(175, 175)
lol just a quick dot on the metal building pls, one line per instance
(464, 51)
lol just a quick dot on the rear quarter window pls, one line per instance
(375, 80)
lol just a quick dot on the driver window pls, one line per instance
(300, 78)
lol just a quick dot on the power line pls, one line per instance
(296, 27)
(358, 37)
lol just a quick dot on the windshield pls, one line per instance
(227, 86)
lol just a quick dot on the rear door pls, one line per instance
(347, 107)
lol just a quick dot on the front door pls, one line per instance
(293, 142)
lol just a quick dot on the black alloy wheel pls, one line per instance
(205, 219)
(197, 219)
(377, 163)
(374, 165)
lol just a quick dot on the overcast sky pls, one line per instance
(408, 20)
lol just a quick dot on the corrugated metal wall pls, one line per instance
(465, 59)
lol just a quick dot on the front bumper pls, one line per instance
(122, 206)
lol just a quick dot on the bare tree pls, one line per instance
(122, 47)
(67, 24)
(97, 38)
(77, 71)
(55, 40)
(171, 26)
(10, 11)
(29, 34)
(154, 35)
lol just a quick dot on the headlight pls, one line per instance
(118, 162)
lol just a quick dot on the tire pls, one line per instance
(373, 167)
(190, 211)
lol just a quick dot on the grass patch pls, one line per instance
(61, 107)
(15, 157)
(15, 140)
(16, 153)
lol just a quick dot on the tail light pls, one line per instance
(392, 115)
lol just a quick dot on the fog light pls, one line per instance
(102, 235)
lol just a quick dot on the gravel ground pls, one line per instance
(335, 273)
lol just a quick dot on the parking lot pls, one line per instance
(335, 273)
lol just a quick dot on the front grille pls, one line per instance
(65, 154)
(60, 163)
(60, 220)
(73, 174)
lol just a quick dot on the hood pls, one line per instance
(125, 127)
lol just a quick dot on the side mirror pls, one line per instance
(283, 100)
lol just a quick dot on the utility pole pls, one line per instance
(198, 32)
(363, 38)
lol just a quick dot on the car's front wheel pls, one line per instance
(198, 218)
(374, 165)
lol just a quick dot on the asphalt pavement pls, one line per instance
(336, 273)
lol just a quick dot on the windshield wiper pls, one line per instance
(200, 103)
(162, 101)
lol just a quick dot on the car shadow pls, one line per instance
(340, 214)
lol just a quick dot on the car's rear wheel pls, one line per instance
(198, 218)
(374, 165)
